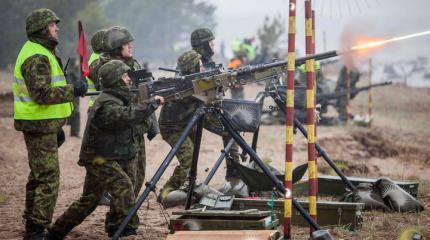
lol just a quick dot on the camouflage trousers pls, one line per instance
(110, 176)
(184, 156)
(136, 172)
(75, 120)
(44, 178)
(341, 107)
(140, 167)
(185, 152)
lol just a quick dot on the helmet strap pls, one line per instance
(42, 37)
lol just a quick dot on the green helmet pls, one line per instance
(97, 41)
(188, 62)
(200, 36)
(39, 20)
(111, 72)
(115, 37)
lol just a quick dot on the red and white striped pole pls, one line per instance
(310, 105)
(289, 116)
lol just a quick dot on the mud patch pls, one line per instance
(380, 145)
(375, 144)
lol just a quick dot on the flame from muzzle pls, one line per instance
(383, 42)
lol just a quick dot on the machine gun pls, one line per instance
(322, 98)
(210, 86)
(331, 98)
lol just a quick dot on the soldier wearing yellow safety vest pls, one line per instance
(97, 45)
(42, 102)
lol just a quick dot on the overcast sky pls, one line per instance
(374, 18)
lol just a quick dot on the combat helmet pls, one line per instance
(115, 37)
(200, 36)
(39, 20)
(97, 41)
(111, 72)
(188, 62)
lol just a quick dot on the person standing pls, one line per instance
(174, 117)
(202, 41)
(118, 44)
(98, 48)
(73, 75)
(42, 103)
(109, 153)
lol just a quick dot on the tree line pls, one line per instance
(161, 28)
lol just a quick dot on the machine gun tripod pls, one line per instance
(197, 120)
(280, 103)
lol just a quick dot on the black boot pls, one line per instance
(51, 235)
(34, 231)
(125, 233)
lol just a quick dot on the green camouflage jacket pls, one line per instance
(37, 75)
(151, 124)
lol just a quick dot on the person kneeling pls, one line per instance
(108, 152)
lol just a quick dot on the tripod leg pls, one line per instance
(218, 162)
(278, 184)
(193, 170)
(150, 186)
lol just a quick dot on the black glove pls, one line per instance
(61, 137)
(151, 135)
(154, 129)
(80, 88)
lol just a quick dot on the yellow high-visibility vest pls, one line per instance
(26, 108)
(91, 85)
(317, 67)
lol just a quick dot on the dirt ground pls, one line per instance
(395, 147)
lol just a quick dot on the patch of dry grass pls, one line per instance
(2, 198)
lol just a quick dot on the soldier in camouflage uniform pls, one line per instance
(202, 42)
(117, 42)
(174, 116)
(42, 103)
(341, 85)
(98, 48)
(94, 85)
(109, 152)
(73, 76)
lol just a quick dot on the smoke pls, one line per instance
(353, 34)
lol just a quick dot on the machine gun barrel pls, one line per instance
(330, 96)
(299, 61)
(168, 69)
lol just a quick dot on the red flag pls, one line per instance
(82, 51)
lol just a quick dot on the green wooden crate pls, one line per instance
(334, 186)
(201, 219)
(329, 213)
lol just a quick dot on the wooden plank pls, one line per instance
(225, 235)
